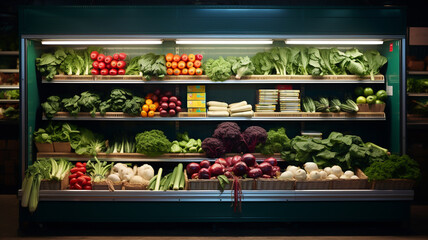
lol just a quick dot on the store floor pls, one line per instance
(416, 229)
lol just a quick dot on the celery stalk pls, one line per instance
(26, 190)
(158, 180)
(174, 174)
(178, 177)
(34, 197)
(181, 187)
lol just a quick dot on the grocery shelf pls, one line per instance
(417, 94)
(9, 100)
(9, 87)
(417, 120)
(137, 157)
(9, 53)
(217, 196)
(417, 72)
(203, 79)
(360, 116)
(9, 70)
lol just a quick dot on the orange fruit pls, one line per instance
(168, 64)
(192, 71)
(184, 71)
(151, 113)
(152, 107)
(181, 65)
(197, 64)
(177, 71)
(189, 64)
(170, 71)
(149, 101)
(191, 57)
(174, 64)
(150, 95)
(145, 108)
(169, 57)
(143, 114)
(176, 58)
(198, 71)
(156, 104)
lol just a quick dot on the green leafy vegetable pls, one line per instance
(48, 64)
(242, 66)
(152, 143)
(51, 106)
(276, 142)
(218, 70)
(152, 65)
(374, 61)
(395, 167)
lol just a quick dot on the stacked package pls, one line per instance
(222, 109)
(268, 99)
(196, 98)
(289, 100)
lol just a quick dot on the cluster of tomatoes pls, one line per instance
(78, 178)
(108, 65)
(184, 64)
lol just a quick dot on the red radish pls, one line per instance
(157, 92)
(164, 99)
(108, 66)
(271, 160)
(205, 164)
(94, 72)
(73, 181)
(222, 161)
(81, 180)
(121, 64)
(255, 173)
(101, 65)
(178, 109)
(94, 55)
(121, 71)
(236, 159)
(163, 113)
(178, 103)
(204, 173)
(101, 57)
(104, 71)
(168, 93)
(240, 168)
(266, 168)
(198, 57)
(113, 71)
(164, 105)
(171, 105)
(228, 174)
(249, 159)
(275, 170)
(95, 64)
(192, 168)
(122, 56)
(266, 176)
(77, 186)
(87, 187)
(108, 59)
(113, 64)
(216, 169)
(116, 56)
(195, 176)
(173, 99)
(229, 161)
(171, 112)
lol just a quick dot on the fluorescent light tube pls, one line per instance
(101, 42)
(224, 41)
(333, 42)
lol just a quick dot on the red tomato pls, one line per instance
(122, 56)
(94, 55)
(88, 182)
(77, 186)
(84, 164)
(198, 57)
(108, 66)
(94, 71)
(174, 65)
(113, 64)
(87, 177)
(192, 57)
(87, 187)
(79, 164)
(73, 181)
(104, 71)
(121, 64)
(74, 170)
(81, 180)
(101, 65)
(79, 173)
(101, 57)
(181, 65)
(169, 57)
(121, 71)
(176, 58)
(108, 59)
(95, 64)
(197, 64)
(184, 57)
(113, 71)
(74, 175)
(116, 56)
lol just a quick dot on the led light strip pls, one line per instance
(333, 42)
(101, 42)
(224, 41)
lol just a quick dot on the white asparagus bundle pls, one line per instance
(218, 114)
(244, 108)
(243, 114)
(238, 104)
(215, 108)
(217, 104)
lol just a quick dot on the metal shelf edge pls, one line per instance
(217, 196)
(417, 72)
(11, 87)
(212, 82)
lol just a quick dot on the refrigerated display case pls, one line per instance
(276, 24)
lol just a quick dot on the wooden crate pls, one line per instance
(362, 183)
(133, 186)
(44, 147)
(55, 185)
(62, 147)
(274, 184)
(104, 185)
(393, 184)
(313, 185)
(371, 107)
(248, 184)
